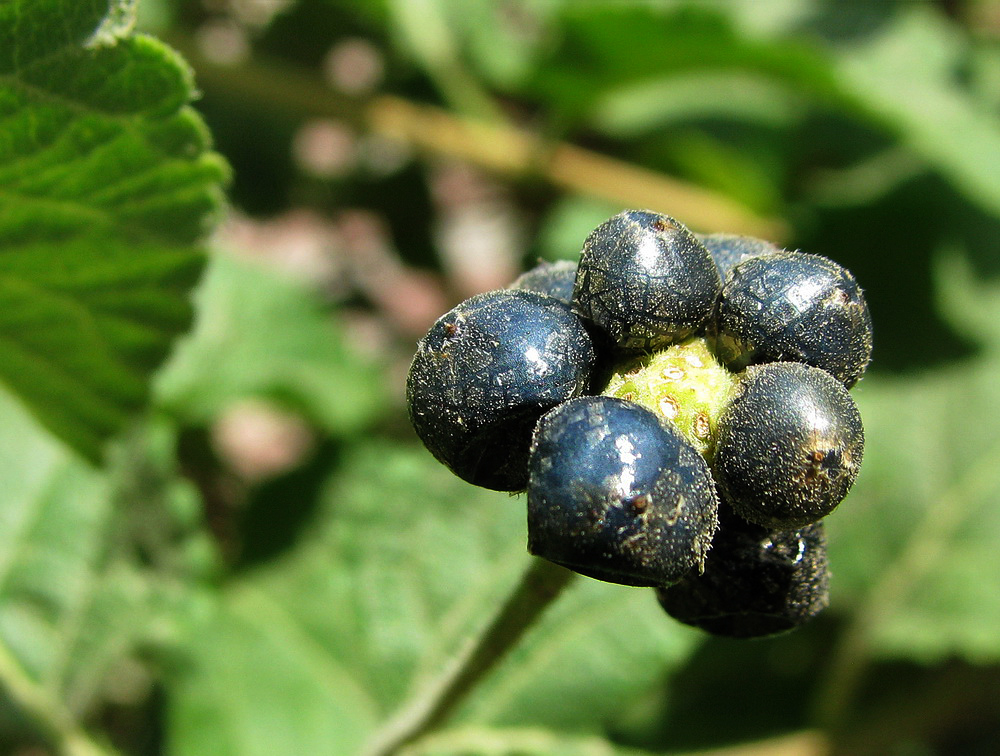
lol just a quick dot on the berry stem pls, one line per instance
(926, 546)
(540, 585)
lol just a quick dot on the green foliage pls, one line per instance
(107, 184)
(277, 343)
(316, 649)
(71, 610)
(929, 503)
(161, 594)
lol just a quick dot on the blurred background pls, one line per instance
(293, 563)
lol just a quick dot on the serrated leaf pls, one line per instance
(259, 334)
(407, 562)
(106, 186)
(924, 508)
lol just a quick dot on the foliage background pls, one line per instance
(230, 542)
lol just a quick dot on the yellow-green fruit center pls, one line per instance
(684, 383)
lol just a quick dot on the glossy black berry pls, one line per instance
(484, 374)
(789, 446)
(728, 250)
(553, 278)
(615, 493)
(757, 582)
(645, 281)
(796, 307)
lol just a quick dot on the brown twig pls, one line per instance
(499, 147)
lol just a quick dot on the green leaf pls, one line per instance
(905, 78)
(647, 58)
(901, 76)
(568, 224)
(262, 335)
(495, 741)
(405, 563)
(914, 546)
(68, 614)
(639, 108)
(106, 186)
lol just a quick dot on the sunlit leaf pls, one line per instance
(106, 186)
(408, 561)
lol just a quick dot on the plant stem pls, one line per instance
(540, 585)
(53, 721)
(924, 549)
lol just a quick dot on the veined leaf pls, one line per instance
(68, 613)
(316, 651)
(924, 510)
(106, 186)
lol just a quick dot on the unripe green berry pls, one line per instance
(684, 383)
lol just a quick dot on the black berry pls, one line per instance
(484, 374)
(553, 278)
(796, 307)
(728, 250)
(789, 446)
(615, 493)
(645, 281)
(757, 582)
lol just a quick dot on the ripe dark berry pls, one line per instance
(796, 307)
(552, 278)
(789, 446)
(757, 582)
(645, 281)
(728, 250)
(615, 493)
(484, 374)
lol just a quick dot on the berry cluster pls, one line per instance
(676, 407)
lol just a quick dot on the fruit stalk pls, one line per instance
(540, 585)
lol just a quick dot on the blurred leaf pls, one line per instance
(490, 741)
(968, 304)
(424, 30)
(637, 109)
(312, 652)
(107, 183)
(718, 164)
(905, 78)
(631, 70)
(68, 613)
(927, 495)
(259, 334)
(502, 40)
(609, 54)
(567, 225)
